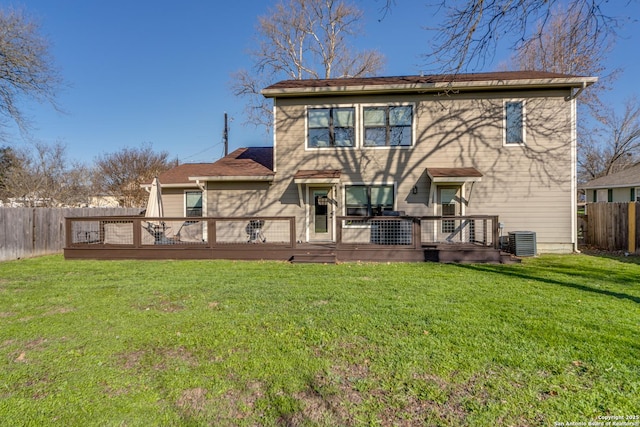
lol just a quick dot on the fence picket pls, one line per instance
(607, 226)
(29, 232)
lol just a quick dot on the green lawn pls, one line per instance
(553, 340)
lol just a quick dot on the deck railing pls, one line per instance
(260, 233)
(415, 232)
(142, 232)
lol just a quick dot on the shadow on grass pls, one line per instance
(563, 269)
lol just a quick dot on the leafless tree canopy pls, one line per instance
(301, 39)
(621, 147)
(42, 176)
(26, 67)
(121, 173)
(472, 29)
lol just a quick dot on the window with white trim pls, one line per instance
(388, 126)
(193, 203)
(368, 200)
(331, 127)
(514, 125)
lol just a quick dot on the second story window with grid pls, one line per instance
(331, 127)
(388, 126)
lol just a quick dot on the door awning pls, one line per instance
(454, 175)
(307, 176)
(317, 176)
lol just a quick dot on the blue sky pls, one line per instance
(158, 71)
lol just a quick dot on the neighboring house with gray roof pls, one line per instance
(623, 186)
(499, 143)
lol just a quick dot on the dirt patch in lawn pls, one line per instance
(226, 410)
(157, 359)
(337, 396)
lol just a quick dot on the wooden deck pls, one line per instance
(474, 240)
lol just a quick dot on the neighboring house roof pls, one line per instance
(629, 177)
(253, 163)
(475, 81)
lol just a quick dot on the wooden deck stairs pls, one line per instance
(317, 256)
(461, 253)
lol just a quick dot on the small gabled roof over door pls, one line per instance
(454, 174)
(310, 176)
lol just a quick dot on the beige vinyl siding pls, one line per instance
(173, 202)
(528, 186)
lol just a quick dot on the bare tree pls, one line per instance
(40, 177)
(26, 67)
(471, 30)
(8, 161)
(612, 146)
(300, 39)
(569, 45)
(121, 173)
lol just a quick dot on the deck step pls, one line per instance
(314, 258)
(468, 254)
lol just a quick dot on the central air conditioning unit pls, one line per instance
(522, 243)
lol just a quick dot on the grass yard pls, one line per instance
(553, 340)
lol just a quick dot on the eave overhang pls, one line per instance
(231, 178)
(435, 87)
(454, 175)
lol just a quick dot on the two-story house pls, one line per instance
(500, 143)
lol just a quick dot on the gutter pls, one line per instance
(520, 84)
(577, 93)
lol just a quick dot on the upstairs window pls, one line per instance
(331, 127)
(388, 126)
(193, 203)
(514, 122)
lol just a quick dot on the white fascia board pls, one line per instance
(550, 83)
(182, 185)
(233, 178)
(316, 180)
(604, 187)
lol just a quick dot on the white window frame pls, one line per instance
(365, 184)
(386, 104)
(504, 123)
(184, 204)
(637, 194)
(325, 106)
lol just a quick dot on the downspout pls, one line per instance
(578, 92)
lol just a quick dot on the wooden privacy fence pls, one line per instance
(613, 226)
(30, 232)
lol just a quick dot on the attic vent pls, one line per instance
(522, 243)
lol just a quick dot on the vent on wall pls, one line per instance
(522, 243)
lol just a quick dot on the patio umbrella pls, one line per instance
(154, 204)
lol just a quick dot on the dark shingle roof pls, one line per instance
(417, 80)
(252, 161)
(454, 172)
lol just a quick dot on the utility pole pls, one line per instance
(225, 135)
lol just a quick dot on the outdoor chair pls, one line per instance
(254, 230)
(158, 232)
